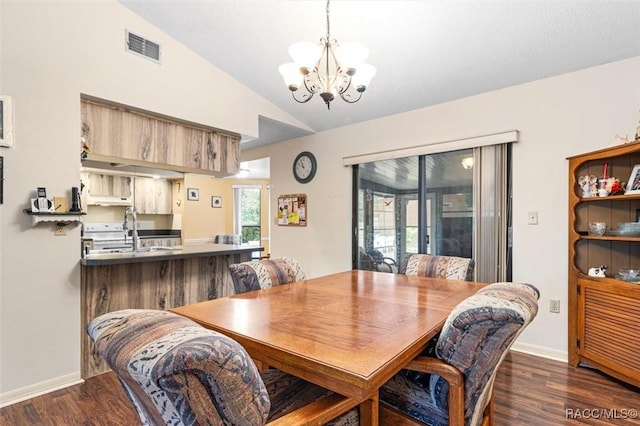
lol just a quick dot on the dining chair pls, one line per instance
(374, 260)
(451, 383)
(177, 372)
(427, 265)
(265, 273)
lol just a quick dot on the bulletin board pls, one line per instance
(292, 210)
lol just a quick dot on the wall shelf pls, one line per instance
(60, 218)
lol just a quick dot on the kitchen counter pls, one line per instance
(152, 278)
(153, 254)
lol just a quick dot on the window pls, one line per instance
(247, 213)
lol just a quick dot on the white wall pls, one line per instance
(556, 117)
(51, 53)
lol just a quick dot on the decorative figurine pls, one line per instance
(598, 271)
(589, 185)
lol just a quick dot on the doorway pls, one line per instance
(430, 204)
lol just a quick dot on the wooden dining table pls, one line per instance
(349, 332)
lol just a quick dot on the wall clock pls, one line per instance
(304, 167)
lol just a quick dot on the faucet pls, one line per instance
(134, 232)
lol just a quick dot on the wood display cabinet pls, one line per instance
(604, 312)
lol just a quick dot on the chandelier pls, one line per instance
(327, 68)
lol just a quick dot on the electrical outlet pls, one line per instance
(60, 230)
(532, 218)
(554, 306)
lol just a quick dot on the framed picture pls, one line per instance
(292, 210)
(216, 201)
(193, 194)
(633, 184)
(6, 119)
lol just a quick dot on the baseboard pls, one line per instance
(31, 391)
(540, 351)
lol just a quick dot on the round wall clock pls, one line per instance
(304, 167)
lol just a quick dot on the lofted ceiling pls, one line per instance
(425, 52)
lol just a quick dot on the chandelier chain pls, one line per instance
(328, 32)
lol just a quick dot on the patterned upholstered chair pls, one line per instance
(427, 265)
(177, 372)
(228, 239)
(452, 382)
(260, 274)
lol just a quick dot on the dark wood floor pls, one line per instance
(528, 391)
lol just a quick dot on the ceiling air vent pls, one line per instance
(142, 46)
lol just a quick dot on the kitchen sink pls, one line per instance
(133, 253)
(157, 248)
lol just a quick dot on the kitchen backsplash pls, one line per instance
(116, 214)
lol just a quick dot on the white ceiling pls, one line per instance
(426, 52)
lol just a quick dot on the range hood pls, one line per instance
(108, 200)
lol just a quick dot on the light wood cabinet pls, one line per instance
(152, 196)
(117, 133)
(604, 313)
(183, 145)
(121, 134)
(221, 152)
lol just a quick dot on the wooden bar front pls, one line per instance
(163, 284)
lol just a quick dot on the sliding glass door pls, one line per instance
(437, 204)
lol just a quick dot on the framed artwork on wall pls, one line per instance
(6, 121)
(292, 210)
(216, 201)
(193, 194)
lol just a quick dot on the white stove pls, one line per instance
(106, 237)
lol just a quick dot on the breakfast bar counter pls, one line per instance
(152, 278)
(153, 254)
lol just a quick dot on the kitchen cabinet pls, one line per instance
(216, 157)
(604, 312)
(152, 196)
(116, 133)
(183, 145)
